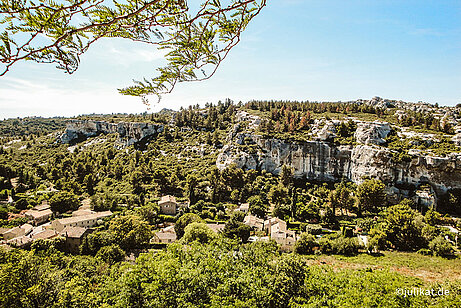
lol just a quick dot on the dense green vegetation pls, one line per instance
(205, 269)
(219, 274)
(30, 126)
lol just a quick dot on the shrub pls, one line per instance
(404, 227)
(377, 240)
(441, 247)
(198, 231)
(111, 254)
(346, 246)
(306, 244)
(366, 224)
(432, 217)
(326, 243)
(425, 251)
(314, 229)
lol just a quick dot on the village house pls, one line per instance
(45, 205)
(86, 221)
(23, 230)
(83, 212)
(3, 230)
(254, 222)
(168, 205)
(268, 223)
(164, 236)
(44, 235)
(283, 237)
(39, 216)
(244, 207)
(74, 237)
(20, 241)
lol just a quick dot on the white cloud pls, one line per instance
(24, 99)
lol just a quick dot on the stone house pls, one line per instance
(285, 238)
(85, 221)
(244, 207)
(164, 236)
(44, 235)
(168, 205)
(268, 223)
(73, 237)
(23, 230)
(254, 222)
(39, 216)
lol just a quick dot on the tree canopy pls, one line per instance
(60, 31)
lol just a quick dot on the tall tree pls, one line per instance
(286, 176)
(341, 197)
(370, 195)
(257, 206)
(64, 201)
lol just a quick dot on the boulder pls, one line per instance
(372, 132)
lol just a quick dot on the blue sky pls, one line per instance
(294, 50)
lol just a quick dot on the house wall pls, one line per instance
(168, 208)
(59, 226)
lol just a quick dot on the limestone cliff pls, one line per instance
(129, 133)
(324, 161)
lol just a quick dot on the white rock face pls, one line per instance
(253, 120)
(232, 155)
(457, 139)
(372, 132)
(128, 132)
(324, 161)
(327, 132)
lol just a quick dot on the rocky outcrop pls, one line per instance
(129, 133)
(321, 160)
(372, 132)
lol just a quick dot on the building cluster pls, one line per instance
(71, 229)
(274, 227)
(167, 235)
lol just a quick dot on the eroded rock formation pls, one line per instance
(324, 161)
(129, 133)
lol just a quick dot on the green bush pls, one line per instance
(111, 254)
(424, 251)
(326, 243)
(441, 247)
(337, 244)
(306, 244)
(197, 231)
(346, 246)
(314, 229)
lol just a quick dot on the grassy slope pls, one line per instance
(427, 268)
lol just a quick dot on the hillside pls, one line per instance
(269, 203)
